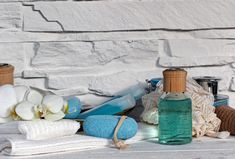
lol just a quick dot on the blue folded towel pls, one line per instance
(111, 107)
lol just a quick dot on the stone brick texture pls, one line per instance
(94, 49)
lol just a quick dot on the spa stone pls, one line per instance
(104, 125)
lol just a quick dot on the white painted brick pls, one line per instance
(103, 84)
(224, 72)
(232, 86)
(13, 53)
(71, 91)
(37, 21)
(195, 34)
(199, 48)
(35, 82)
(18, 36)
(87, 54)
(10, 16)
(195, 61)
(108, 16)
(196, 52)
(64, 54)
(214, 34)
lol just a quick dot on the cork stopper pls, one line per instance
(6, 74)
(174, 80)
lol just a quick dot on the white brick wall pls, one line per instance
(100, 47)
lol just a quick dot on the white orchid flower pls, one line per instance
(23, 103)
(52, 106)
(25, 110)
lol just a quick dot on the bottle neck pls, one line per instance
(175, 95)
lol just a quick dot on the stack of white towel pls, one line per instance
(41, 137)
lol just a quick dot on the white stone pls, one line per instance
(109, 50)
(195, 61)
(214, 34)
(37, 21)
(71, 91)
(196, 52)
(103, 84)
(25, 0)
(17, 36)
(108, 16)
(35, 82)
(198, 48)
(13, 53)
(113, 67)
(232, 86)
(64, 54)
(10, 16)
(91, 100)
(224, 72)
(87, 54)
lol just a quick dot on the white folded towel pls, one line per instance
(40, 129)
(15, 144)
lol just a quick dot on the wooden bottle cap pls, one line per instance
(174, 80)
(6, 74)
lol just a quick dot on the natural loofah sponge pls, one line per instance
(227, 117)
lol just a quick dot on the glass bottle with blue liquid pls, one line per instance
(175, 109)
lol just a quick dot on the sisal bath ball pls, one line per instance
(227, 116)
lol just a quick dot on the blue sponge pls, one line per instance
(104, 125)
(74, 108)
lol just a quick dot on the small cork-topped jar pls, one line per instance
(6, 74)
(174, 109)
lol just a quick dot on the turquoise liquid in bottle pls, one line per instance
(175, 119)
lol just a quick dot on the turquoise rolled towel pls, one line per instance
(74, 108)
(104, 125)
(111, 107)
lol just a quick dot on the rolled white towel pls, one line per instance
(41, 129)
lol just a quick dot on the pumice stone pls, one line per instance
(104, 125)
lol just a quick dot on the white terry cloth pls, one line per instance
(40, 129)
(16, 145)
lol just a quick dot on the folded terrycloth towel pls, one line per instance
(15, 144)
(40, 129)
